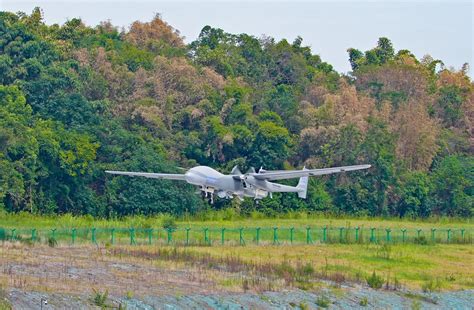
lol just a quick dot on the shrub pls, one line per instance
(364, 302)
(169, 223)
(306, 270)
(420, 240)
(52, 242)
(375, 281)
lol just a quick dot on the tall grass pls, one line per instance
(226, 218)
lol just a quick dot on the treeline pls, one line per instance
(77, 100)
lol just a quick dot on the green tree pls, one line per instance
(453, 186)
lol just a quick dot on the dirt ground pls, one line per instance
(92, 277)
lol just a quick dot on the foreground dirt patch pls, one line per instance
(77, 270)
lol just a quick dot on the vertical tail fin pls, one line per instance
(303, 186)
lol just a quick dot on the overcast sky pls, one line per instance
(443, 29)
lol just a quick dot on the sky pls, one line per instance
(441, 28)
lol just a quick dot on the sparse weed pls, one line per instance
(416, 305)
(107, 245)
(4, 303)
(100, 299)
(323, 301)
(304, 285)
(384, 251)
(396, 284)
(245, 285)
(285, 271)
(364, 302)
(306, 270)
(303, 306)
(359, 276)
(451, 278)
(432, 285)
(375, 281)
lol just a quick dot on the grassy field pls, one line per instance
(222, 227)
(229, 219)
(431, 267)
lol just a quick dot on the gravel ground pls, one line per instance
(294, 299)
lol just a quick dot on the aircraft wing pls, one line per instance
(168, 176)
(290, 174)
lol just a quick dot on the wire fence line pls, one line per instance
(209, 236)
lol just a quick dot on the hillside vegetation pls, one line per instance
(76, 100)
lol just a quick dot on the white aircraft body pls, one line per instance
(250, 184)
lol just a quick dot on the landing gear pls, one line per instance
(207, 194)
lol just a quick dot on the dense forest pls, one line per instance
(76, 100)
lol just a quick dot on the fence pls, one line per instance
(237, 236)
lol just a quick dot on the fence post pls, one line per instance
(418, 232)
(449, 235)
(275, 235)
(222, 236)
(206, 237)
(462, 234)
(93, 239)
(257, 237)
(433, 238)
(341, 230)
(112, 237)
(291, 234)
(403, 234)
(132, 236)
(73, 235)
(170, 232)
(357, 234)
(33, 235)
(242, 241)
(308, 235)
(150, 235)
(325, 229)
(13, 234)
(372, 234)
(53, 233)
(388, 230)
(187, 235)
